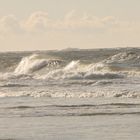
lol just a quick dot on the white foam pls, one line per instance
(75, 71)
(124, 58)
(72, 65)
(96, 93)
(33, 63)
(4, 76)
(97, 67)
(62, 73)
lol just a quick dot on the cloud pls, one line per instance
(37, 21)
(9, 25)
(40, 21)
(75, 29)
(73, 21)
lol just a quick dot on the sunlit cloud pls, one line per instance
(73, 21)
(40, 22)
(37, 21)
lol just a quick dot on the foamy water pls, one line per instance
(50, 74)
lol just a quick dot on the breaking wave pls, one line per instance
(29, 66)
(117, 66)
(124, 57)
(70, 76)
(33, 63)
(127, 61)
(76, 71)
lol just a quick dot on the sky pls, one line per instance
(59, 24)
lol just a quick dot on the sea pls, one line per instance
(70, 94)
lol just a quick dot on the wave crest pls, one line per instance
(124, 60)
(33, 63)
(74, 70)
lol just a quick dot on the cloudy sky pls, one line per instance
(59, 24)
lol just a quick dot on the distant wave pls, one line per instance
(122, 57)
(123, 61)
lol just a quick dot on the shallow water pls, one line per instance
(42, 118)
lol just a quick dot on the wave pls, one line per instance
(117, 66)
(14, 85)
(33, 63)
(96, 93)
(75, 106)
(72, 65)
(123, 61)
(72, 110)
(12, 75)
(76, 71)
(28, 65)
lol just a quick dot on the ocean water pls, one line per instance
(70, 94)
